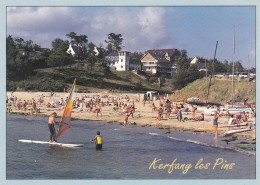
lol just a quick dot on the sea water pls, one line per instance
(131, 152)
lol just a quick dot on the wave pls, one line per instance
(153, 134)
(116, 129)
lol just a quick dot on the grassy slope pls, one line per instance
(220, 90)
(88, 80)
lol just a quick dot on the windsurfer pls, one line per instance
(98, 140)
(51, 124)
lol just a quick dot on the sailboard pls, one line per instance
(63, 125)
(50, 143)
(237, 131)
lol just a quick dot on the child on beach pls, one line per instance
(179, 115)
(98, 111)
(98, 140)
(153, 107)
(126, 120)
(160, 112)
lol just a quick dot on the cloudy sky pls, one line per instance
(196, 29)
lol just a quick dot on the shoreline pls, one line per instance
(143, 115)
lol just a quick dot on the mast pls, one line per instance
(248, 76)
(233, 66)
(212, 72)
(206, 69)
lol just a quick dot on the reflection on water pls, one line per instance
(127, 153)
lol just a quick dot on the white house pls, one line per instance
(71, 50)
(194, 60)
(122, 61)
(201, 66)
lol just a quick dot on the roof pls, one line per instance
(159, 54)
(112, 55)
(201, 65)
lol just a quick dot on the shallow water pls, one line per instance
(127, 153)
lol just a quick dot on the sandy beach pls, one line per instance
(143, 115)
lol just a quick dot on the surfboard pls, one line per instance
(237, 131)
(221, 126)
(46, 142)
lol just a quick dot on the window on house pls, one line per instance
(121, 67)
(121, 60)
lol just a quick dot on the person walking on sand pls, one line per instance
(168, 108)
(98, 140)
(51, 124)
(98, 111)
(215, 126)
(179, 115)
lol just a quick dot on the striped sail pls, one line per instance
(66, 118)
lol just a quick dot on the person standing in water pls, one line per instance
(215, 126)
(51, 124)
(98, 140)
(126, 120)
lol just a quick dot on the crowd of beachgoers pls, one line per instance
(134, 109)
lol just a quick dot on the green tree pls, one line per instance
(59, 56)
(114, 42)
(239, 67)
(81, 42)
(220, 67)
(185, 73)
(137, 55)
(92, 59)
(18, 66)
(252, 70)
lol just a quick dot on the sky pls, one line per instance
(193, 28)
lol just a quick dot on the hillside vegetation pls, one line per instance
(94, 79)
(220, 90)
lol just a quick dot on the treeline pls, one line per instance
(187, 73)
(25, 56)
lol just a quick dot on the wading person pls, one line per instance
(51, 124)
(215, 126)
(126, 120)
(98, 140)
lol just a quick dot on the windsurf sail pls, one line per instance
(66, 118)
